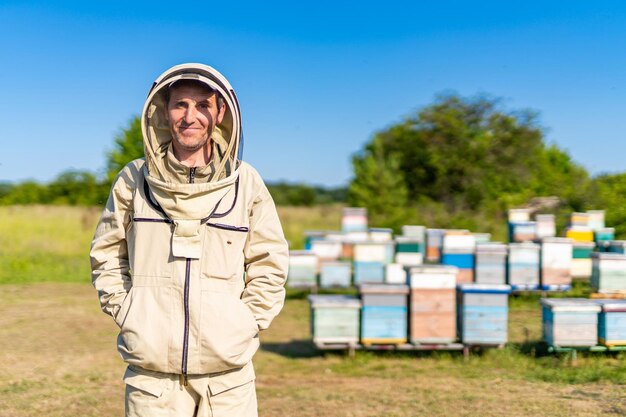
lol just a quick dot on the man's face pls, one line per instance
(192, 114)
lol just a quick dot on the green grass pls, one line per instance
(51, 243)
(45, 243)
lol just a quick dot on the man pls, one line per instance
(189, 256)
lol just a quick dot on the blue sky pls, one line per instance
(315, 81)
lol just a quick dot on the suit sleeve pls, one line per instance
(266, 256)
(110, 269)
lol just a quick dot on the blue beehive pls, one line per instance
(482, 313)
(369, 272)
(612, 322)
(523, 266)
(335, 274)
(570, 322)
(384, 314)
(490, 263)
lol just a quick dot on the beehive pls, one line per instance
(523, 266)
(335, 274)
(432, 304)
(380, 234)
(302, 269)
(490, 263)
(370, 259)
(617, 246)
(354, 219)
(608, 272)
(556, 263)
(581, 259)
(523, 231)
(482, 313)
(458, 250)
(434, 241)
(612, 322)
(546, 225)
(384, 313)
(327, 250)
(395, 274)
(335, 318)
(570, 322)
(579, 233)
(409, 250)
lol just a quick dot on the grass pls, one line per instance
(58, 354)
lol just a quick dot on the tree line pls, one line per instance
(76, 187)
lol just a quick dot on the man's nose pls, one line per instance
(190, 114)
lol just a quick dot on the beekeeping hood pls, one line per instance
(185, 203)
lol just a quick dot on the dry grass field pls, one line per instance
(58, 356)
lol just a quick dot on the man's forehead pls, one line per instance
(190, 88)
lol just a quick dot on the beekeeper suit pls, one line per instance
(189, 257)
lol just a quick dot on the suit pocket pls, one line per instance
(225, 258)
(229, 332)
(149, 248)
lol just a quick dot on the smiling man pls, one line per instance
(189, 256)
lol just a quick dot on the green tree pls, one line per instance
(379, 185)
(128, 146)
(609, 194)
(463, 162)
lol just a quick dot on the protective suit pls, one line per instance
(190, 262)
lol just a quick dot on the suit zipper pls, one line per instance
(192, 174)
(186, 334)
(228, 227)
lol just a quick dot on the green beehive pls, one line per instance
(335, 319)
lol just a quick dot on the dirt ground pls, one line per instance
(58, 359)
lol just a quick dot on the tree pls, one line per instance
(128, 146)
(467, 158)
(379, 185)
(609, 193)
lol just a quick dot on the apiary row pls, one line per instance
(430, 309)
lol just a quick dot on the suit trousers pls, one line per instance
(155, 394)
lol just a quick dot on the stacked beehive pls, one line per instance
(302, 269)
(609, 272)
(581, 259)
(546, 226)
(434, 242)
(433, 304)
(556, 263)
(612, 322)
(603, 237)
(617, 246)
(570, 322)
(578, 229)
(335, 274)
(482, 313)
(523, 266)
(409, 250)
(335, 318)
(458, 250)
(384, 313)
(490, 263)
(521, 229)
(370, 259)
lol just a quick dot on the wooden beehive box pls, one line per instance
(432, 313)
(335, 318)
(384, 313)
(570, 322)
(482, 313)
